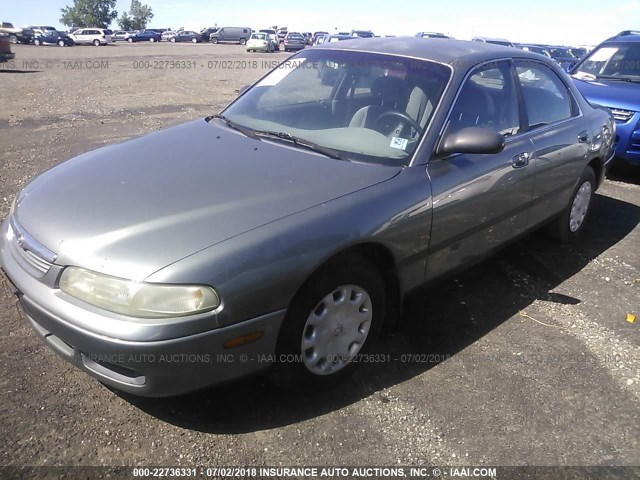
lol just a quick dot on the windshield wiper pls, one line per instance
(328, 152)
(247, 132)
(619, 79)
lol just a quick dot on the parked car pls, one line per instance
(121, 35)
(362, 33)
(578, 52)
(495, 41)
(282, 32)
(5, 48)
(231, 35)
(260, 42)
(166, 36)
(17, 35)
(534, 48)
(610, 76)
(431, 35)
(336, 38)
(186, 36)
(272, 35)
(206, 33)
(563, 56)
(91, 36)
(305, 250)
(316, 36)
(145, 36)
(61, 39)
(294, 41)
(36, 29)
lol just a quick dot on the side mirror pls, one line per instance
(471, 140)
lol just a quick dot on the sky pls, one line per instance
(567, 22)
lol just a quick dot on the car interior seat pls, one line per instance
(390, 93)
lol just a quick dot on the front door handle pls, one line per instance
(583, 137)
(520, 160)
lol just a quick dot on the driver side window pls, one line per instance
(488, 99)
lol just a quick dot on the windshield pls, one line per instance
(614, 60)
(364, 106)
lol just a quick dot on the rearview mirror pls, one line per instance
(471, 140)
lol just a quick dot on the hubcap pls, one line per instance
(336, 329)
(580, 206)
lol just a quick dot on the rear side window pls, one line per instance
(546, 97)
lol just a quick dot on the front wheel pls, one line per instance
(96, 43)
(243, 41)
(36, 42)
(61, 43)
(194, 40)
(334, 318)
(214, 40)
(568, 226)
(13, 39)
(152, 40)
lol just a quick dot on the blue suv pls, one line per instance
(610, 76)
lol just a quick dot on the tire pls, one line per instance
(152, 40)
(214, 40)
(36, 42)
(13, 39)
(173, 40)
(243, 41)
(96, 43)
(130, 40)
(194, 40)
(61, 43)
(337, 314)
(567, 227)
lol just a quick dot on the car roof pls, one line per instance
(625, 36)
(439, 50)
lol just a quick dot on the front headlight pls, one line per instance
(137, 299)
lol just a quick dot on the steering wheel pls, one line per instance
(403, 117)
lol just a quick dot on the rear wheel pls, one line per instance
(36, 42)
(335, 317)
(214, 40)
(173, 40)
(130, 40)
(13, 39)
(571, 222)
(243, 41)
(96, 43)
(194, 40)
(152, 40)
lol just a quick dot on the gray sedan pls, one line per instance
(289, 231)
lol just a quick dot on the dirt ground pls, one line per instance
(533, 361)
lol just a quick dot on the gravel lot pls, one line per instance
(535, 363)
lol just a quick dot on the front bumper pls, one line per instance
(151, 361)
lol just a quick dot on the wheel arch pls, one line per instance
(382, 259)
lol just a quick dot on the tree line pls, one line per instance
(100, 13)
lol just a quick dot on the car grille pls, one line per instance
(33, 257)
(622, 116)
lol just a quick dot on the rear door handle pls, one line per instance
(583, 137)
(520, 160)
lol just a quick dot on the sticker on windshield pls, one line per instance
(280, 72)
(399, 143)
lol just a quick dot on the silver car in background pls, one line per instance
(285, 231)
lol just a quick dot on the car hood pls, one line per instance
(609, 93)
(133, 208)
